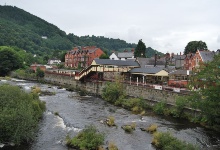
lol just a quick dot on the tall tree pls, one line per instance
(9, 60)
(207, 97)
(140, 50)
(193, 46)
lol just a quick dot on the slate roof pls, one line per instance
(179, 57)
(207, 55)
(116, 62)
(153, 70)
(125, 54)
(179, 72)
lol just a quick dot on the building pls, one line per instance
(188, 61)
(53, 61)
(42, 67)
(201, 57)
(82, 56)
(193, 61)
(122, 55)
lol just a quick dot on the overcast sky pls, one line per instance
(165, 25)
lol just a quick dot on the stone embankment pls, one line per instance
(147, 93)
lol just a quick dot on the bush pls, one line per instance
(112, 146)
(89, 139)
(178, 109)
(110, 121)
(165, 141)
(159, 107)
(112, 91)
(127, 128)
(152, 128)
(19, 114)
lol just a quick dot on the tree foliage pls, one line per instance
(193, 46)
(9, 60)
(112, 91)
(140, 50)
(89, 139)
(39, 73)
(19, 114)
(25, 31)
(207, 80)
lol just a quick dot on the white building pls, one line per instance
(54, 61)
(122, 56)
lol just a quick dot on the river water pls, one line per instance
(75, 113)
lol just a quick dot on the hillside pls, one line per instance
(26, 31)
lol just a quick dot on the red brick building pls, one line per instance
(82, 56)
(193, 61)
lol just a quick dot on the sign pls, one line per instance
(158, 87)
(176, 89)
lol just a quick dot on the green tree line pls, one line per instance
(23, 30)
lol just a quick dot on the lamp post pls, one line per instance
(137, 81)
(130, 80)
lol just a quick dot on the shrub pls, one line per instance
(19, 114)
(152, 128)
(112, 146)
(127, 128)
(110, 121)
(159, 107)
(165, 141)
(82, 92)
(112, 91)
(36, 89)
(89, 139)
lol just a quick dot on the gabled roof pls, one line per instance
(149, 70)
(179, 57)
(179, 72)
(111, 62)
(125, 54)
(207, 55)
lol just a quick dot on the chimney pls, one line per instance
(155, 60)
(180, 53)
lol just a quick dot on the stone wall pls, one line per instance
(131, 90)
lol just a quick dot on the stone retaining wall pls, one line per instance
(131, 90)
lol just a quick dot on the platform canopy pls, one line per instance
(118, 63)
(152, 71)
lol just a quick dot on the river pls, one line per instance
(75, 113)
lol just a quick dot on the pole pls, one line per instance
(137, 81)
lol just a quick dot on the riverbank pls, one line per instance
(75, 114)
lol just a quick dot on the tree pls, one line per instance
(104, 56)
(9, 60)
(207, 97)
(140, 50)
(193, 46)
(39, 73)
(19, 114)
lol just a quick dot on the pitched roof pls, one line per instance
(152, 70)
(116, 62)
(179, 57)
(207, 55)
(179, 72)
(125, 54)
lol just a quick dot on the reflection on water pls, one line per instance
(75, 113)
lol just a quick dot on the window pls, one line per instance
(197, 61)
